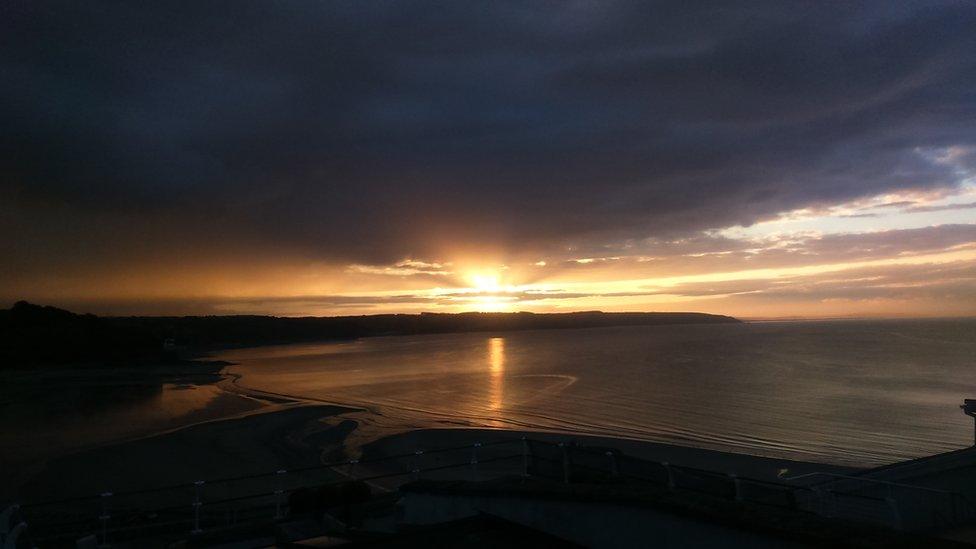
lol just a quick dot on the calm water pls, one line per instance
(847, 392)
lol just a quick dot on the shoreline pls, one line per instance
(298, 433)
(120, 404)
(306, 435)
(375, 426)
(252, 444)
(279, 431)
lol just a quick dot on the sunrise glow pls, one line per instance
(557, 189)
(485, 282)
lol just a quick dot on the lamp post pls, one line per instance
(969, 408)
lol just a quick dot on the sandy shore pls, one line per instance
(252, 444)
(59, 411)
(238, 432)
(288, 436)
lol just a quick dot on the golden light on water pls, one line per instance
(496, 372)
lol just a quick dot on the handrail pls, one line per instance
(529, 451)
(266, 474)
(914, 462)
(873, 481)
(714, 474)
(267, 494)
(334, 464)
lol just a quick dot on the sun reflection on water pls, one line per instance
(496, 369)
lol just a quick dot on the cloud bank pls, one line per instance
(175, 137)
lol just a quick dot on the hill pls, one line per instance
(32, 333)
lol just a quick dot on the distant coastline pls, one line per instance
(36, 334)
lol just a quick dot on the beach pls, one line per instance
(73, 431)
(248, 445)
(290, 434)
(54, 412)
(859, 394)
(82, 430)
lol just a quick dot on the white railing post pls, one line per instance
(736, 486)
(896, 519)
(474, 460)
(103, 518)
(566, 466)
(279, 492)
(197, 503)
(667, 469)
(416, 464)
(825, 502)
(613, 463)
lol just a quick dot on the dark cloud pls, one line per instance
(368, 133)
(943, 207)
(881, 244)
(952, 282)
(717, 254)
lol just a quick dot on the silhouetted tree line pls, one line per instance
(35, 334)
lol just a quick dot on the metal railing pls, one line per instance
(200, 506)
(917, 507)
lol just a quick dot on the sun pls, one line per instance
(485, 282)
(491, 304)
(486, 293)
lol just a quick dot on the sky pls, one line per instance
(759, 159)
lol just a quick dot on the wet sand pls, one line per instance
(258, 443)
(296, 435)
(55, 412)
(241, 432)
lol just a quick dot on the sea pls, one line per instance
(846, 392)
